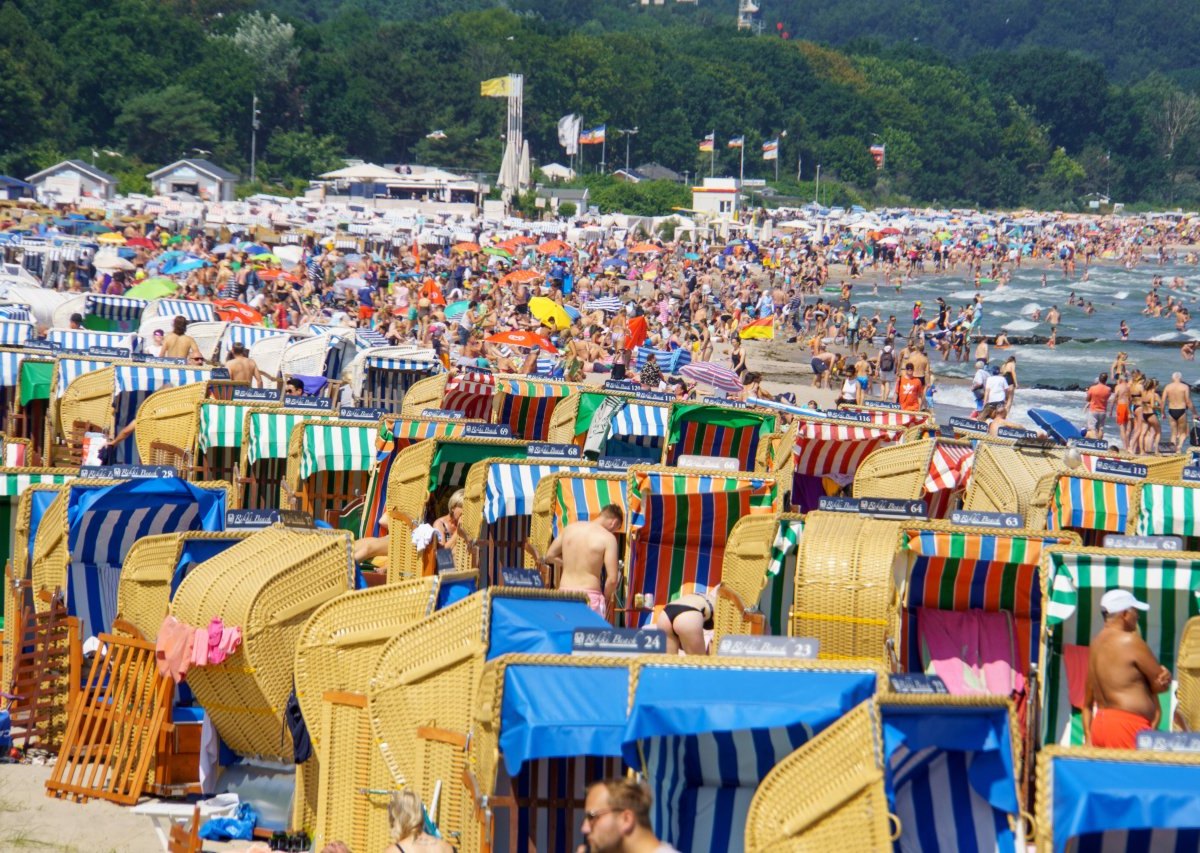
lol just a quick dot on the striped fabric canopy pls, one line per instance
(888, 417)
(1090, 505)
(582, 498)
(139, 377)
(640, 420)
(1169, 510)
(336, 448)
(824, 449)
(15, 334)
(81, 339)
(13, 483)
(452, 460)
(236, 333)
(703, 439)
(948, 467)
(527, 406)
(220, 426)
(369, 339)
(70, 369)
(1078, 580)
(548, 366)
(965, 571)
(267, 433)
(471, 394)
(103, 524)
(511, 485)
(669, 361)
(117, 308)
(679, 524)
(16, 312)
(382, 362)
(197, 312)
(391, 437)
(777, 596)
(10, 368)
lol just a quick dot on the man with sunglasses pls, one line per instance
(616, 819)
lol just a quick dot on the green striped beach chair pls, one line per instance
(266, 433)
(1076, 578)
(328, 467)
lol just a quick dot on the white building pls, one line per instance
(200, 178)
(716, 199)
(71, 180)
(424, 190)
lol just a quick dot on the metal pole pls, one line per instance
(253, 135)
(712, 158)
(799, 163)
(777, 153)
(603, 149)
(742, 162)
(817, 186)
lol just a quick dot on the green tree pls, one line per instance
(300, 155)
(162, 125)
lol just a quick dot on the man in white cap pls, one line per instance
(1123, 677)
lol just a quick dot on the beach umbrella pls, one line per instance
(290, 255)
(521, 240)
(432, 292)
(232, 311)
(111, 262)
(612, 263)
(187, 265)
(691, 256)
(222, 248)
(645, 249)
(520, 276)
(266, 258)
(521, 339)
(139, 243)
(278, 275)
(549, 312)
(553, 247)
(607, 304)
(354, 283)
(250, 249)
(572, 312)
(498, 252)
(714, 375)
(152, 288)
(112, 238)
(457, 309)
(465, 246)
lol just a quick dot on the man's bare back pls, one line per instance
(181, 346)
(1122, 672)
(242, 369)
(585, 549)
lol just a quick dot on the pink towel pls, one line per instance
(215, 630)
(231, 638)
(1076, 661)
(200, 647)
(173, 649)
(973, 651)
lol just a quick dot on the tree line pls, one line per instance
(145, 82)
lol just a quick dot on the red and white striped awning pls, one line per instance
(471, 394)
(824, 449)
(949, 467)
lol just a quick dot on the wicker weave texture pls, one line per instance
(424, 394)
(169, 416)
(88, 398)
(268, 585)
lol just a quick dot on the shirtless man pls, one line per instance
(1120, 401)
(821, 363)
(920, 363)
(1123, 677)
(242, 368)
(179, 344)
(1176, 406)
(586, 556)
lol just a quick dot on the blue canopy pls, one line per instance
(1092, 796)
(683, 701)
(562, 712)
(537, 625)
(951, 777)
(453, 591)
(102, 525)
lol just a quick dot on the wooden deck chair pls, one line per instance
(679, 524)
(187, 840)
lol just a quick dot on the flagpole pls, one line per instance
(712, 159)
(603, 149)
(778, 145)
(742, 162)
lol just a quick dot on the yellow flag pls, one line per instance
(497, 87)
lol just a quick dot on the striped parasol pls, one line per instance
(714, 375)
(607, 304)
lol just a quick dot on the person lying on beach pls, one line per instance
(585, 554)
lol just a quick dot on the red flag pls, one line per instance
(431, 290)
(638, 332)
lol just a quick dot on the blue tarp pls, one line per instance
(102, 525)
(454, 591)
(537, 626)
(562, 712)
(674, 701)
(1094, 796)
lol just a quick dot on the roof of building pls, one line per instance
(207, 167)
(87, 168)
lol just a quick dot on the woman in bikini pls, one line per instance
(1152, 432)
(407, 819)
(1137, 387)
(684, 621)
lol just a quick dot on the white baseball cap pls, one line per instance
(1120, 600)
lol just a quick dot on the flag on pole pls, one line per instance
(594, 136)
(568, 132)
(497, 87)
(877, 154)
(707, 143)
(737, 142)
(763, 329)
(771, 149)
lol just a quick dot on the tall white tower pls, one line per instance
(748, 15)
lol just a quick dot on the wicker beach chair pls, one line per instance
(268, 585)
(437, 465)
(336, 653)
(679, 524)
(1005, 478)
(166, 426)
(328, 467)
(1074, 579)
(28, 394)
(381, 377)
(267, 353)
(155, 566)
(851, 788)
(266, 443)
(1187, 673)
(424, 394)
(745, 573)
(832, 450)
(1090, 504)
(1116, 800)
(422, 697)
(845, 594)
(563, 498)
(705, 429)
(931, 469)
(888, 416)
(638, 430)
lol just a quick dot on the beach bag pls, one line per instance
(887, 362)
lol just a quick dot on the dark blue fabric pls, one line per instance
(537, 625)
(562, 712)
(1093, 796)
(313, 385)
(451, 592)
(682, 701)
(982, 731)
(196, 551)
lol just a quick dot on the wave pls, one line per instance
(1031, 307)
(1021, 326)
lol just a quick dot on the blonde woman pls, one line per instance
(447, 525)
(407, 820)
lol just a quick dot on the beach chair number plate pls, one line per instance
(1089, 444)
(708, 463)
(447, 414)
(1013, 432)
(617, 641)
(527, 578)
(306, 402)
(539, 450)
(127, 472)
(878, 507)
(752, 646)
(917, 683)
(108, 352)
(1169, 741)
(487, 431)
(360, 413)
(1145, 543)
(968, 425)
(974, 518)
(724, 401)
(257, 394)
(1191, 474)
(618, 463)
(1115, 468)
